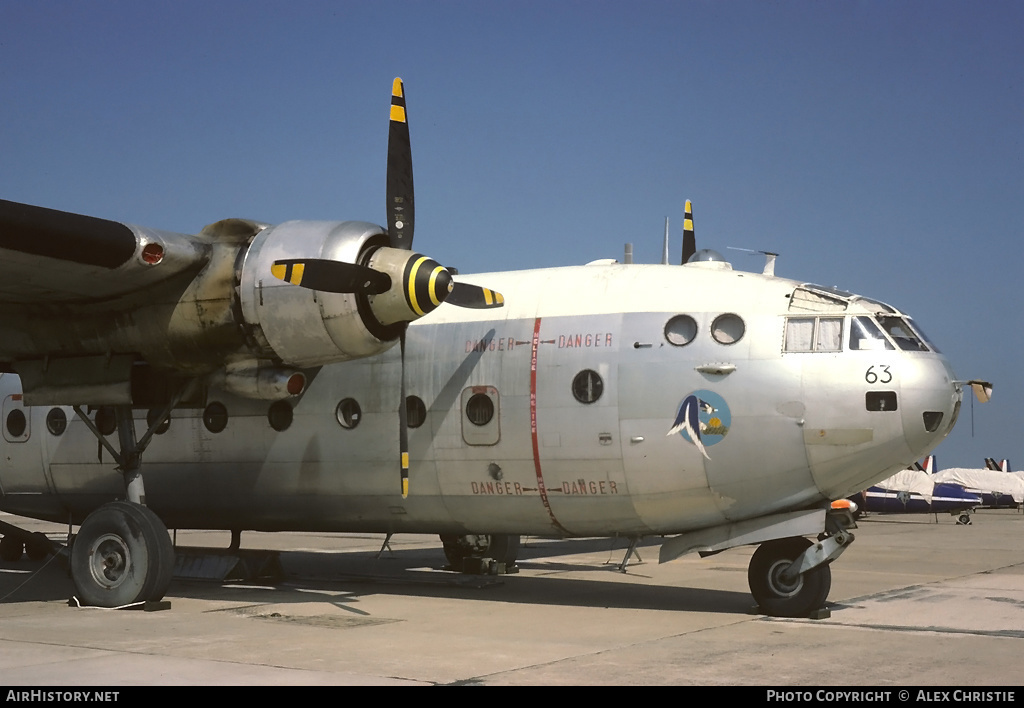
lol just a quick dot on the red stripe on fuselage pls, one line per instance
(534, 346)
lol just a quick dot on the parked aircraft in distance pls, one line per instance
(321, 376)
(914, 491)
(998, 489)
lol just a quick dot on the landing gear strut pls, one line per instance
(122, 554)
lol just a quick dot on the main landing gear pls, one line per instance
(122, 554)
(482, 554)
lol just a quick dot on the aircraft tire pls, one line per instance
(502, 547)
(122, 555)
(774, 595)
(11, 548)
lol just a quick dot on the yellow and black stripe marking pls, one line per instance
(688, 219)
(492, 298)
(427, 284)
(289, 272)
(398, 101)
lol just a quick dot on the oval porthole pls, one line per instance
(151, 417)
(416, 411)
(280, 415)
(348, 413)
(215, 417)
(588, 386)
(680, 330)
(16, 423)
(56, 421)
(728, 328)
(480, 409)
(106, 420)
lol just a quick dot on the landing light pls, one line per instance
(152, 253)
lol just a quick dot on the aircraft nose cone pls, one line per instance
(930, 403)
(427, 284)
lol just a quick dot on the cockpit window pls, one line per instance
(920, 333)
(865, 335)
(901, 333)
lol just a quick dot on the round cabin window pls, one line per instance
(416, 411)
(480, 409)
(587, 387)
(16, 423)
(56, 421)
(728, 328)
(348, 413)
(215, 417)
(680, 330)
(280, 415)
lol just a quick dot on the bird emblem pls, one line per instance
(688, 420)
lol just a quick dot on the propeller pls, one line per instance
(401, 205)
(404, 285)
(331, 276)
(689, 239)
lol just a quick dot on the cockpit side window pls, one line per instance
(814, 334)
(901, 333)
(830, 334)
(865, 335)
(920, 333)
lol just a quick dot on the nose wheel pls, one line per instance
(787, 594)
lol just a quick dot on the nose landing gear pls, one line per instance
(783, 594)
(790, 577)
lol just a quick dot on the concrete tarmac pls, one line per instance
(916, 601)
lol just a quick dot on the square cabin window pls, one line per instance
(830, 334)
(814, 334)
(799, 334)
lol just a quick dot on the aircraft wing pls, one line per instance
(84, 301)
(53, 256)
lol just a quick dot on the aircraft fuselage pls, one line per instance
(548, 416)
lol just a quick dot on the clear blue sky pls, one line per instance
(876, 145)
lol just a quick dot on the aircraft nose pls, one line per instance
(931, 402)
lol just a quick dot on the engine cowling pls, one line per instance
(303, 327)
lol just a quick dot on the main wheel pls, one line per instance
(777, 596)
(121, 555)
(502, 547)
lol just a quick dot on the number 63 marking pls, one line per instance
(878, 374)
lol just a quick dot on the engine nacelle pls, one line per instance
(303, 327)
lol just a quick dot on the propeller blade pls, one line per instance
(401, 207)
(474, 297)
(331, 276)
(403, 427)
(689, 239)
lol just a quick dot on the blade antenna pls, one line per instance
(689, 239)
(664, 247)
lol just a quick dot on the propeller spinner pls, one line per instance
(401, 286)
